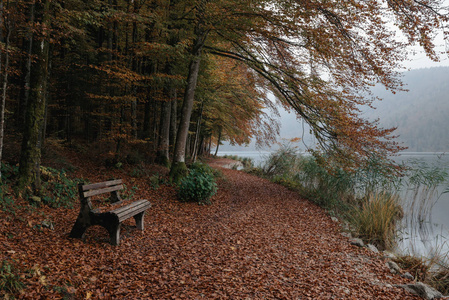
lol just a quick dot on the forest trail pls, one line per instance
(258, 240)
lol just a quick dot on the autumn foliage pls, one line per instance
(186, 75)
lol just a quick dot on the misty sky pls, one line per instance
(420, 60)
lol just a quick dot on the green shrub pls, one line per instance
(247, 162)
(6, 202)
(197, 187)
(9, 279)
(204, 168)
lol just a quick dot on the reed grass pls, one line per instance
(375, 220)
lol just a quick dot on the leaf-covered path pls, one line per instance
(257, 241)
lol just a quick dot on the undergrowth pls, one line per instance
(57, 188)
(432, 271)
(10, 281)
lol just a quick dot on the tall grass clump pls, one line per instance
(375, 219)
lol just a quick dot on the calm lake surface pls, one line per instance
(418, 235)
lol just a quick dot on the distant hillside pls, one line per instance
(422, 113)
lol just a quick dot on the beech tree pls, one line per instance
(4, 69)
(29, 168)
(236, 106)
(320, 58)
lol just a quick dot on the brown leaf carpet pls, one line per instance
(257, 240)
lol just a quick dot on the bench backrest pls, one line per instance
(88, 190)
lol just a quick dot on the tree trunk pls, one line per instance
(134, 118)
(163, 151)
(218, 141)
(146, 119)
(26, 72)
(179, 168)
(154, 135)
(173, 119)
(162, 156)
(4, 70)
(30, 156)
(197, 134)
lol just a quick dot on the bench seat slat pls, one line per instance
(127, 212)
(91, 193)
(130, 206)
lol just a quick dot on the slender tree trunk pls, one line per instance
(47, 97)
(218, 141)
(30, 156)
(134, 118)
(146, 120)
(197, 134)
(4, 71)
(179, 168)
(162, 156)
(134, 67)
(209, 147)
(173, 119)
(154, 136)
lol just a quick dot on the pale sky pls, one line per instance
(420, 60)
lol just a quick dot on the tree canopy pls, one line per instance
(118, 69)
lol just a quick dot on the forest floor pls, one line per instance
(258, 240)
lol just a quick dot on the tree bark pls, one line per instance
(26, 72)
(30, 156)
(218, 141)
(197, 135)
(4, 70)
(162, 156)
(173, 119)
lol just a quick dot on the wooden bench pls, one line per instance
(110, 218)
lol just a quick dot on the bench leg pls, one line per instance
(79, 228)
(114, 233)
(139, 220)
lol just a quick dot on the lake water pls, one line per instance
(418, 235)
